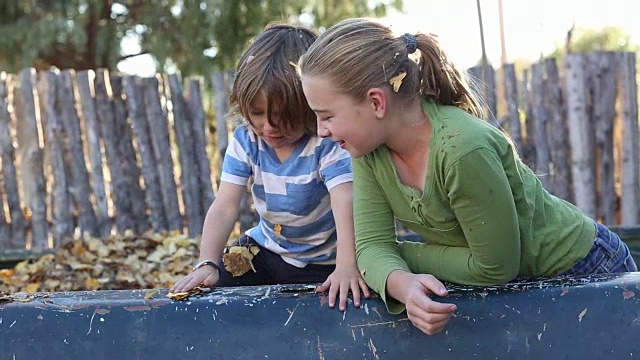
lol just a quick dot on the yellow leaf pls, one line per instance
(396, 81)
(277, 229)
(31, 288)
(178, 296)
(254, 250)
(92, 284)
(150, 294)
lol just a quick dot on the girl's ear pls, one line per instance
(377, 97)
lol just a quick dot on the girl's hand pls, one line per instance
(343, 279)
(427, 315)
(206, 275)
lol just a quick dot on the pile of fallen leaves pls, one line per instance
(124, 261)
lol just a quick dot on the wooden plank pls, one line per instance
(603, 101)
(540, 126)
(79, 185)
(186, 152)
(137, 114)
(580, 134)
(220, 97)
(159, 128)
(511, 98)
(12, 236)
(85, 81)
(128, 158)
(559, 149)
(119, 189)
(528, 153)
(630, 164)
(33, 162)
(195, 111)
(62, 219)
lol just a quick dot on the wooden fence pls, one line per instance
(98, 153)
(575, 123)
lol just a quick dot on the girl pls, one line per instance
(423, 156)
(302, 184)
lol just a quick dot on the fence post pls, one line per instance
(222, 109)
(85, 80)
(33, 162)
(9, 173)
(559, 150)
(54, 138)
(603, 102)
(630, 168)
(511, 97)
(128, 158)
(137, 114)
(540, 126)
(199, 131)
(580, 134)
(186, 151)
(79, 186)
(528, 155)
(159, 129)
(119, 190)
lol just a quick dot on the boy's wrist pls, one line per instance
(211, 263)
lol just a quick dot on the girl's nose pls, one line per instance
(322, 130)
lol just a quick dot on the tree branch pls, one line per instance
(132, 55)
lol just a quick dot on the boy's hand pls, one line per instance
(342, 280)
(206, 275)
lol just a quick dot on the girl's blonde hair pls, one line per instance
(269, 65)
(360, 54)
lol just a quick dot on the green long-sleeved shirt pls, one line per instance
(484, 213)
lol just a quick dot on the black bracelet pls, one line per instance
(207, 262)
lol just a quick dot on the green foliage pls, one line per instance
(585, 40)
(196, 37)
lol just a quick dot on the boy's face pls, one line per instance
(259, 122)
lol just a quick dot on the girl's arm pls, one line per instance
(378, 254)
(481, 198)
(346, 276)
(217, 227)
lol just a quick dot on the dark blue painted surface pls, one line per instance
(595, 317)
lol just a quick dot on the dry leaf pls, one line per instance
(237, 260)
(92, 284)
(149, 294)
(119, 262)
(178, 296)
(185, 295)
(32, 288)
(396, 81)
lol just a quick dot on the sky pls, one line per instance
(532, 27)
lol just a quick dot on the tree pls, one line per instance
(194, 36)
(585, 40)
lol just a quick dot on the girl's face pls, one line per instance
(352, 124)
(260, 124)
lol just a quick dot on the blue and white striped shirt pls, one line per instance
(293, 194)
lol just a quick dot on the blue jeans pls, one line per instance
(608, 255)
